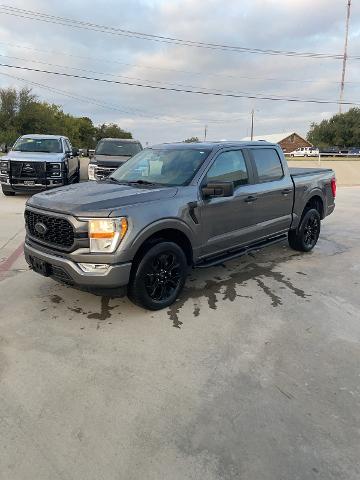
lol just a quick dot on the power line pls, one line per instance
(131, 78)
(73, 23)
(187, 72)
(136, 112)
(182, 90)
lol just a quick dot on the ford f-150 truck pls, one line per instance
(172, 207)
(39, 162)
(109, 154)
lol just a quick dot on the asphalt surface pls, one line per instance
(253, 374)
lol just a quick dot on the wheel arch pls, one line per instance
(315, 201)
(167, 231)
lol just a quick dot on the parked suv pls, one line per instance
(39, 162)
(172, 207)
(110, 153)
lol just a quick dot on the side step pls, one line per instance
(231, 254)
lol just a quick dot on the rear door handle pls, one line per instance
(286, 191)
(250, 198)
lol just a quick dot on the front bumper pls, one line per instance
(67, 271)
(36, 187)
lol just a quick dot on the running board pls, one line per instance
(230, 255)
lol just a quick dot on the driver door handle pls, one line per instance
(286, 191)
(251, 198)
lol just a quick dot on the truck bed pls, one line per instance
(307, 180)
(296, 172)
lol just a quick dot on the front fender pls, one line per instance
(157, 226)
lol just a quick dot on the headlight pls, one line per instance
(4, 167)
(105, 234)
(91, 171)
(54, 169)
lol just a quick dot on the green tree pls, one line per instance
(111, 130)
(8, 112)
(341, 130)
(21, 112)
(86, 132)
(191, 140)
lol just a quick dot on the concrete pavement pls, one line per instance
(260, 379)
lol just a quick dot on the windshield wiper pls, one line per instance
(131, 182)
(142, 182)
(112, 179)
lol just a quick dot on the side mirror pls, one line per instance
(218, 189)
(75, 152)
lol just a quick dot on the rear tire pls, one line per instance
(305, 237)
(7, 193)
(158, 277)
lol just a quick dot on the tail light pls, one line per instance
(333, 186)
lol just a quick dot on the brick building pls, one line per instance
(288, 141)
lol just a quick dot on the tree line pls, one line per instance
(21, 112)
(341, 130)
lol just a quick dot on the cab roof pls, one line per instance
(213, 145)
(128, 140)
(46, 137)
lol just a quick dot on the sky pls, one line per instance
(155, 116)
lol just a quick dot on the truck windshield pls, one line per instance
(45, 145)
(168, 167)
(117, 148)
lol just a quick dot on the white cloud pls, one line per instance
(301, 25)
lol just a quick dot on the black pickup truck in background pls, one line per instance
(172, 207)
(109, 154)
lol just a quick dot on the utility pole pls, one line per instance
(252, 125)
(205, 132)
(342, 85)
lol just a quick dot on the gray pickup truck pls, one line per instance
(172, 207)
(39, 162)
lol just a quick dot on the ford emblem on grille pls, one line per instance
(40, 228)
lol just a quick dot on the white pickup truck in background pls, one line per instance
(305, 152)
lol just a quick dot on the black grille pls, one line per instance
(28, 170)
(58, 231)
(60, 274)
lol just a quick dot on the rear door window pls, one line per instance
(268, 164)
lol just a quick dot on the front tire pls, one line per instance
(306, 236)
(158, 278)
(7, 193)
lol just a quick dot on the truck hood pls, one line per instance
(97, 199)
(110, 160)
(34, 156)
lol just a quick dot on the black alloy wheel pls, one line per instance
(311, 231)
(306, 236)
(159, 276)
(163, 276)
